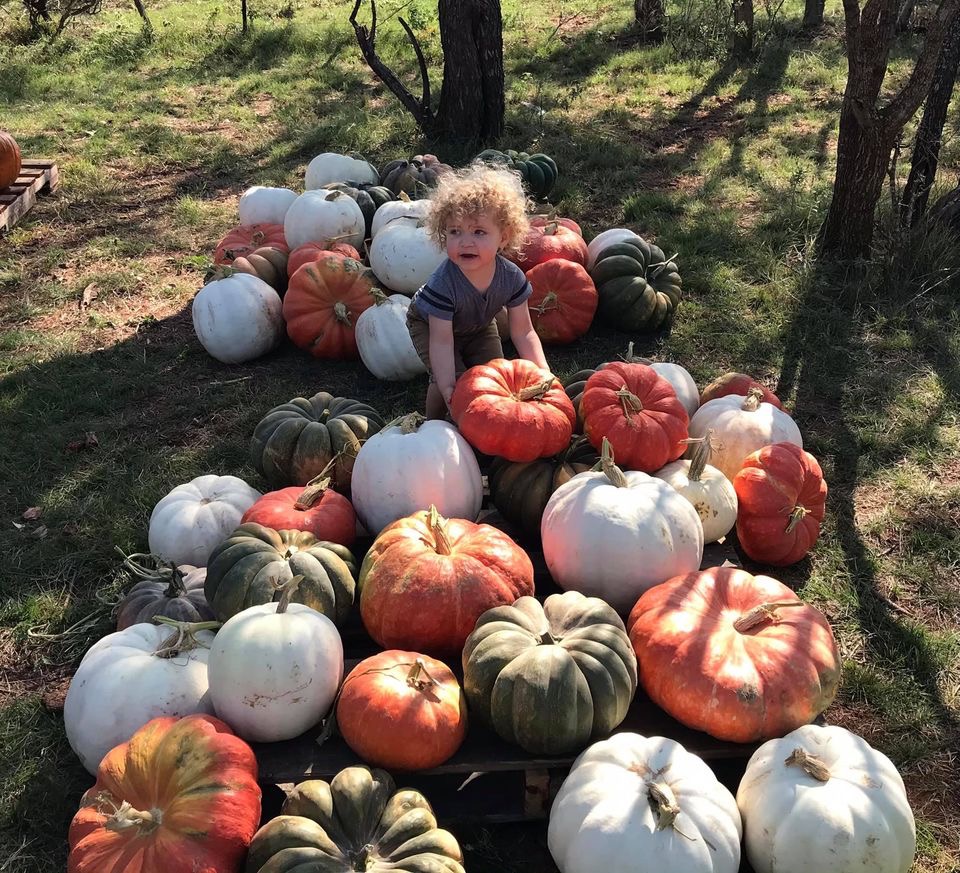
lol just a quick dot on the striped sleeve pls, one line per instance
(431, 301)
(521, 295)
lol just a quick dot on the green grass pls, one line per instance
(728, 165)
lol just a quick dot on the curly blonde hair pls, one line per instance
(479, 188)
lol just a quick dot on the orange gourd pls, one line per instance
(10, 162)
(563, 301)
(245, 239)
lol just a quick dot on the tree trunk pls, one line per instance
(243, 14)
(926, 148)
(813, 14)
(906, 13)
(742, 27)
(649, 15)
(946, 210)
(142, 12)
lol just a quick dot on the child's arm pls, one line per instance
(441, 356)
(524, 337)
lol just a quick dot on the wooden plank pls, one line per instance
(18, 199)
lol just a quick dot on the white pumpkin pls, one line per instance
(822, 799)
(742, 425)
(194, 518)
(323, 215)
(635, 804)
(122, 683)
(411, 465)
(605, 239)
(275, 669)
(333, 167)
(403, 255)
(264, 205)
(238, 318)
(683, 384)
(613, 534)
(384, 340)
(394, 209)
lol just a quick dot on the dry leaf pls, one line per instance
(38, 533)
(90, 293)
(88, 441)
(32, 513)
(18, 526)
(71, 528)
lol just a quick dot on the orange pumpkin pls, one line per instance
(10, 162)
(317, 509)
(544, 220)
(737, 383)
(245, 239)
(402, 711)
(323, 302)
(552, 240)
(563, 301)
(311, 251)
(182, 794)
(738, 656)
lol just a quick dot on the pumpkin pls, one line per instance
(246, 568)
(333, 167)
(132, 676)
(414, 463)
(742, 425)
(548, 678)
(357, 821)
(246, 239)
(163, 589)
(549, 242)
(296, 441)
(264, 205)
(403, 255)
(403, 206)
(513, 409)
(312, 251)
(781, 494)
(322, 305)
(191, 520)
(765, 660)
(613, 535)
(414, 177)
(682, 382)
(822, 798)
(402, 710)
(275, 668)
(182, 794)
(635, 804)
(638, 411)
(538, 171)
(383, 339)
(237, 318)
(368, 197)
(265, 263)
(563, 301)
(547, 219)
(10, 162)
(316, 509)
(520, 491)
(321, 215)
(607, 238)
(706, 488)
(426, 580)
(737, 383)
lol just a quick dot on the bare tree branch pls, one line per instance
(424, 76)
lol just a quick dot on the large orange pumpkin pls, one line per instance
(563, 301)
(182, 794)
(245, 239)
(324, 301)
(9, 160)
(549, 241)
(738, 656)
(737, 383)
(311, 251)
(317, 509)
(426, 580)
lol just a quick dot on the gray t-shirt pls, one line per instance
(449, 295)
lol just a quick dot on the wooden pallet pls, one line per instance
(18, 199)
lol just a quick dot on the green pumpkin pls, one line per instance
(294, 442)
(368, 197)
(539, 171)
(359, 821)
(521, 490)
(550, 678)
(639, 288)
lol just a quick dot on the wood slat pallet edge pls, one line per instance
(37, 174)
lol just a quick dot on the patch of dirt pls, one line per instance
(23, 677)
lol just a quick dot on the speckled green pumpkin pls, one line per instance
(357, 821)
(247, 567)
(539, 171)
(368, 197)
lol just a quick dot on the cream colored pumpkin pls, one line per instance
(687, 391)
(264, 205)
(384, 340)
(403, 255)
(822, 799)
(334, 167)
(396, 209)
(323, 215)
(605, 239)
(635, 804)
(237, 318)
(741, 426)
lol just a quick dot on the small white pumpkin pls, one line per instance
(403, 255)
(687, 391)
(635, 804)
(710, 492)
(742, 425)
(130, 677)
(411, 465)
(613, 534)
(275, 669)
(322, 215)
(238, 318)
(605, 239)
(333, 167)
(822, 799)
(194, 518)
(384, 340)
(395, 209)
(264, 205)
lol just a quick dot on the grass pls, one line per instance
(728, 165)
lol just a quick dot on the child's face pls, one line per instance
(473, 242)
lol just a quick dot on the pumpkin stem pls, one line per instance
(183, 638)
(796, 516)
(404, 197)
(701, 454)
(379, 297)
(536, 392)
(630, 358)
(314, 489)
(361, 858)
(810, 764)
(547, 638)
(751, 403)
(124, 816)
(549, 302)
(607, 465)
(413, 677)
(664, 804)
(629, 402)
(287, 590)
(408, 423)
(551, 229)
(341, 313)
(436, 522)
(763, 612)
(162, 571)
(258, 238)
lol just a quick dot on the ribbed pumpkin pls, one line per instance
(402, 710)
(163, 589)
(764, 660)
(513, 409)
(563, 301)
(182, 794)
(550, 677)
(426, 580)
(323, 302)
(245, 239)
(312, 251)
(781, 496)
(414, 177)
(316, 509)
(737, 383)
(574, 385)
(265, 263)
(296, 441)
(247, 568)
(539, 171)
(357, 821)
(544, 220)
(550, 242)
(368, 197)
(10, 162)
